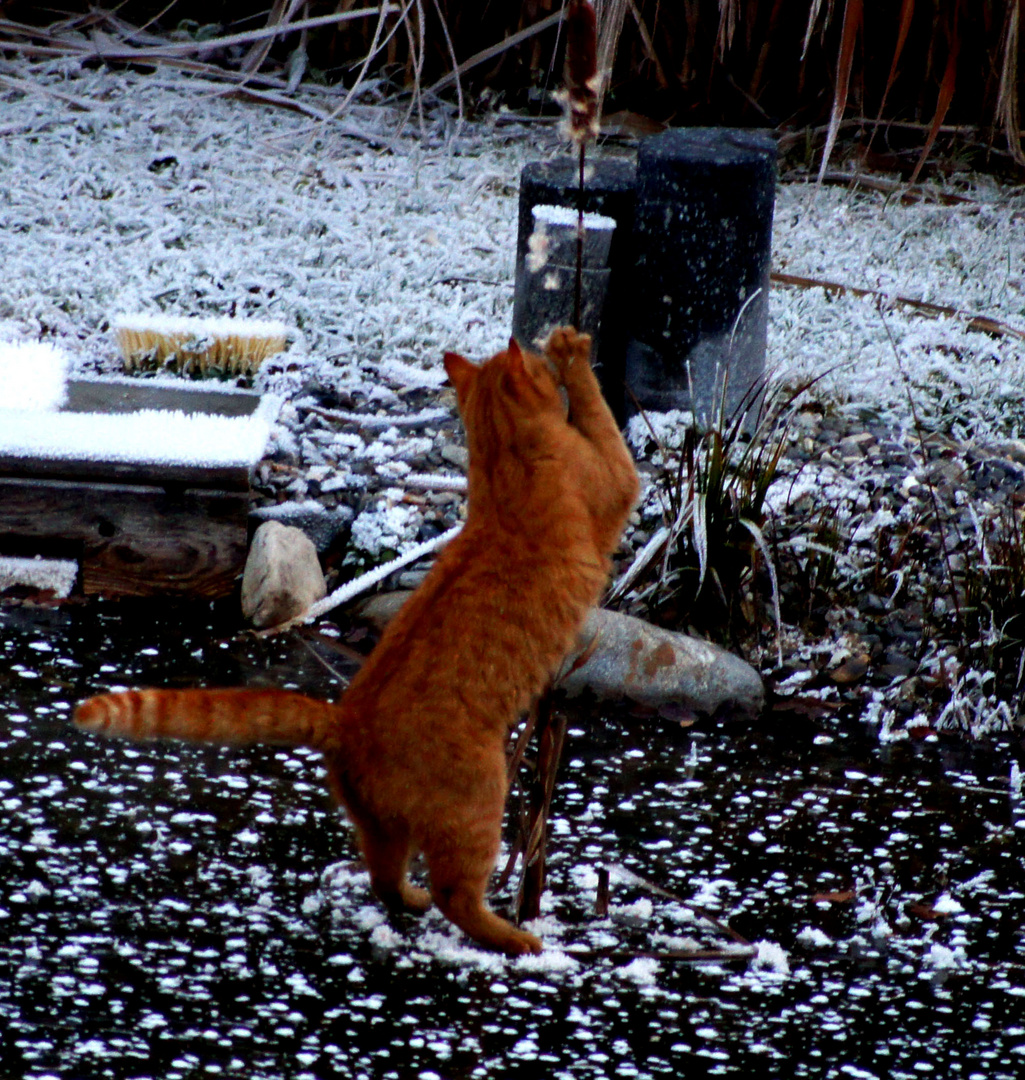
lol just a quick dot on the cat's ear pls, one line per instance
(461, 372)
(515, 355)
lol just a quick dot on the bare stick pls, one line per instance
(551, 733)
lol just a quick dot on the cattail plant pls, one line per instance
(579, 97)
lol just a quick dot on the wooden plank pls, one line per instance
(134, 540)
(124, 395)
(219, 477)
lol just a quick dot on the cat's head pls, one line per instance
(513, 381)
(507, 403)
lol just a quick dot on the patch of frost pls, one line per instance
(33, 376)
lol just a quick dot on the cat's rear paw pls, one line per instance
(520, 943)
(415, 900)
(565, 345)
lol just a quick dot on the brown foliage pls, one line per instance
(900, 75)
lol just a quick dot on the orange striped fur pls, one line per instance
(229, 717)
(416, 748)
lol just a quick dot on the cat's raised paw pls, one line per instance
(566, 345)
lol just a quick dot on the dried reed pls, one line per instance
(944, 65)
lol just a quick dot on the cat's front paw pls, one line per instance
(566, 346)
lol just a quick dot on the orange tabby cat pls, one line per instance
(416, 747)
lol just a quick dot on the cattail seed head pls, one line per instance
(580, 73)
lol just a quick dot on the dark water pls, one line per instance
(170, 912)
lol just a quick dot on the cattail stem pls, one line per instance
(578, 287)
(580, 100)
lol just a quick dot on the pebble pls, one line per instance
(884, 471)
(456, 455)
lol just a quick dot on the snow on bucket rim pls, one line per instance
(565, 216)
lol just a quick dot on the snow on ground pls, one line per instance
(125, 193)
(968, 255)
(157, 195)
(159, 198)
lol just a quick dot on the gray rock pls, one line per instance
(321, 523)
(456, 455)
(381, 608)
(622, 657)
(282, 577)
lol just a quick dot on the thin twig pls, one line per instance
(333, 671)
(691, 956)
(985, 323)
(495, 50)
(704, 913)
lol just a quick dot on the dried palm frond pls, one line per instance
(906, 11)
(852, 19)
(611, 15)
(1007, 102)
(946, 92)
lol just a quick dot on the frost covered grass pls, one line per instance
(161, 195)
(967, 256)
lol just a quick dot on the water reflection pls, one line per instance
(176, 912)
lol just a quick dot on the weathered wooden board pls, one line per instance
(134, 540)
(220, 477)
(130, 395)
(137, 528)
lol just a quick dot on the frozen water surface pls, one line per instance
(171, 912)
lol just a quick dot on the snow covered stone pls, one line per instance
(282, 576)
(620, 656)
(33, 375)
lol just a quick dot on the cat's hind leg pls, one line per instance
(387, 858)
(460, 897)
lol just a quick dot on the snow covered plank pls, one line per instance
(145, 432)
(133, 539)
(147, 482)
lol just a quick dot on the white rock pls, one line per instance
(282, 577)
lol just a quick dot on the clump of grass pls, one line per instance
(701, 565)
(992, 602)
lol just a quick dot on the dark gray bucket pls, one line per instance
(698, 309)
(609, 189)
(546, 279)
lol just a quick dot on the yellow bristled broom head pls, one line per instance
(216, 347)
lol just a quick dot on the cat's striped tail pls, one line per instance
(232, 717)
